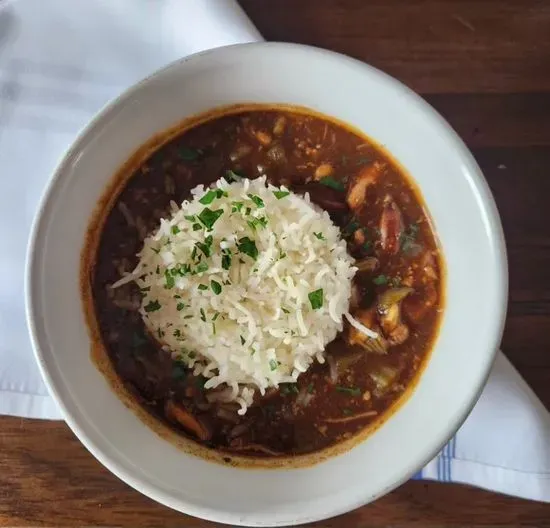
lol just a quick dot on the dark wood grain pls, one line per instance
(485, 65)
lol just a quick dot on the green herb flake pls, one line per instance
(189, 154)
(214, 328)
(243, 340)
(352, 391)
(285, 310)
(220, 193)
(196, 227)
(203, 287)
(152, 306)
(188, 317)
(320, 236)
(155, 250)
(289, 388)
(280, 194)
(203, 315)
(232, 176)
(177, 333)
(208, 198)
(380, 280)
(332, 183)
(273, 364)
(175, 230)
(190, 218)
(206, 246)
(316, 298)
(169, 278)
(236, 207)
(203, 266)
(248, 211)
(407, 240)
(248, 247)
(216, 287)
(310, 388)
(257, 200)
(208, 217)
(216, 315)
(226, 259)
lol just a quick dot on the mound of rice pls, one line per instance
(246, 283)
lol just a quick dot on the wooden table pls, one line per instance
(485, 65)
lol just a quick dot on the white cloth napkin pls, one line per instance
(60, 61)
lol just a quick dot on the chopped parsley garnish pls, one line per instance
(191, 218)
(208, 217)
(188, 317)
(208, 198)
(232, 176)
(257, 200)
(214, 328)
(216, 315)
(237, 206)
(170, 281)
(257, 222)
(289, 388)
(351, 227)
(316, 298)
(203, 315)
(310, 388)
(196, 227)
(248, 247)
(203, 266)
(189, 154)
(381, 280)
(248, 211)
(177, 333)
(175, 230)
(152, 306)
(352, 391)
(285, 310)
(320, 236)
(226, 259)
(332, 183)
(157, 251)
(243, 340)
(216, 287)
(282, 255)
(180, 306)
(205, 247)
(273, 364)
(280, 194)
(203, 287)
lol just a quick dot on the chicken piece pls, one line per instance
(369, 344)
(391, 226)
(358, 189)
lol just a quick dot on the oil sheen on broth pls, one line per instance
(398, 289)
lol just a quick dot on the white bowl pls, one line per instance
(465, 218)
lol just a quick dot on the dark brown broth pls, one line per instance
(277, 424)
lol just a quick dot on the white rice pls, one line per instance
(262, 329)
